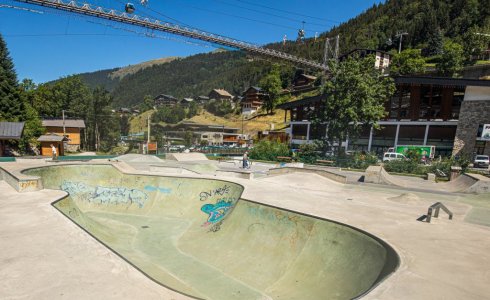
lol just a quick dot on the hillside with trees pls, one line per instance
(429, 25)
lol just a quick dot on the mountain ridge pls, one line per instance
(233, 70)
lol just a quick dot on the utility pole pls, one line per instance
(332, 52)
(148, 140)
(400, 35)
(64, 128)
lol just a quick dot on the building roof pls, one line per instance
(166, 97)
(11, 130)
(301, 102)
(68, 123)
(309, 76)
(51, 137)
(203, 98)
(444, 81)
(222, 92)
(188, 99)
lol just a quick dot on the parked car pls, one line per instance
(389, 156)
(481, 161)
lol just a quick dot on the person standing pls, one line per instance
(54, 152)
(245, 159)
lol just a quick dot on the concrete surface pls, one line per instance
(45, 257)
(465, 183)
(442, 260)
(256, 252)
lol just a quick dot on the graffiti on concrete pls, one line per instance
(24, 185)
(105, 195)
(163, 190)
(217, 212)
(204, 195)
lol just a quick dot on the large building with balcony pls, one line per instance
(448, 113)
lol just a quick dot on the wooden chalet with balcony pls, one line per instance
(165, 100)
(253, 99)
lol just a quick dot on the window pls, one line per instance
(425, 102)
(393, 155)
(458, 98)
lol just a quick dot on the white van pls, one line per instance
(388, 156)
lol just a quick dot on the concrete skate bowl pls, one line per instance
(197, 237)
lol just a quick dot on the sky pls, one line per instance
(49, 44)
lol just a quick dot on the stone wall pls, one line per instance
(472, 114)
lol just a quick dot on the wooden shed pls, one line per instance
(70, 128)
(52, 138)
(10, 131)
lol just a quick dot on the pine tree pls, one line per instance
(435, 43)
(10, 99)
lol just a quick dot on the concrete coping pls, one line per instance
(478, 177)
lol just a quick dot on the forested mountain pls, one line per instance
(423, 20)
(101, 78)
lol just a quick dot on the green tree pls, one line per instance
(124, 125)
(435, 43)
(219, 108)
(15, 101)
(452, 58)
(193, 109)
(409, 61)
(10, 98)
(474, 42)
(354, 97)
(171, 115)
(271, 84)
(147, 103)
(33, 126)
(188, 138)
(103, 124)
(68, 93)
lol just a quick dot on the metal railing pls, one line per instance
(435, 208)
(122, 17)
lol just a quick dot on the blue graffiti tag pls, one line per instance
(216, 212)
(158, 189)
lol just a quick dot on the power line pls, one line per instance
(239, 17)
(289, 12)
(271, 14)
(63, 34)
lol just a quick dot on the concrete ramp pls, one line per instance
(324, 173)
(466, 183)
(186, 156)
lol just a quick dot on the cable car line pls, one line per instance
(236, 16)
(289, 12)
(121, 17)
(271, 14)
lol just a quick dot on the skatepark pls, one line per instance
(187, 228)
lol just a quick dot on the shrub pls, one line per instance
(358, 160)
(308, 153)
(269, 150)
(405, 166)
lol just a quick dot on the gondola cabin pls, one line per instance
(129, 8)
